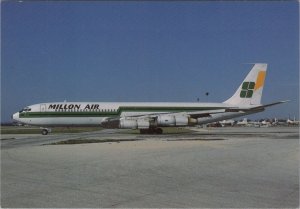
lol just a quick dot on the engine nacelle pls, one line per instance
(174, 120)
(166, 120)
(134, 124)
(128, 124)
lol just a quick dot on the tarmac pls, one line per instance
(209, 168)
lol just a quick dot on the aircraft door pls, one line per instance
(43, 107)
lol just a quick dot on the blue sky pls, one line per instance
(146, 51)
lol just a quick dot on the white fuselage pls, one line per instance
(94, 113)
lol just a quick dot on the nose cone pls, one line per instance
(16, 117)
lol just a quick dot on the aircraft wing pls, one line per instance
(193, 114)
(115, 122)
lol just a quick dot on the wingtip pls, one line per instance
(284, 101)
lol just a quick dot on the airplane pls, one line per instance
(292, 122)
(243, 122)
(148, 117)
(249, 123)
(227, 123)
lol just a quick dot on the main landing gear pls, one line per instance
(45, 131)
(151, 131)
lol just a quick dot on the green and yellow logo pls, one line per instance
(247, 89)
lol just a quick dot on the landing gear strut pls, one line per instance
(151, 131)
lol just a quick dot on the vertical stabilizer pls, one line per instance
(250, 90)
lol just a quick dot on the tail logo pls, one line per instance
(247, 89)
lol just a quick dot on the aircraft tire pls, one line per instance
(44, 132)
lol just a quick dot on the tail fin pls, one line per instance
(250, 91)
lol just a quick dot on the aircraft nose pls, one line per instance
(15, 116)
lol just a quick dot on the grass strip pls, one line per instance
(37, 130)
(87, 141)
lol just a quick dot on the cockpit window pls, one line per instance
(26, 109)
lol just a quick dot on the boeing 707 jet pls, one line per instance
(150, 117)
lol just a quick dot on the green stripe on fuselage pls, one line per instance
(112, 112)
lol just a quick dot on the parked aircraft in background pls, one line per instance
(265, 123)
(292, 122)
(150, 117)
(243, 122)
(227, 122)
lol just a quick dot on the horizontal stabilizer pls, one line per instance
(260, 107)
(271, 104)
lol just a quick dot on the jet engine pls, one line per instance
(134, 123)
(175, 120)
(126, 123)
